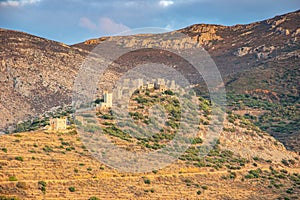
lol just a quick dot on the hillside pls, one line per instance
(36, 75)
(246, 164)
(259, 63)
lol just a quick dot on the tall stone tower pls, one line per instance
(107, 99)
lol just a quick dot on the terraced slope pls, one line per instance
(246, 164)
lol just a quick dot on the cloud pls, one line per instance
(165, 3)
(105, 25)
(15, 3)
(86, 23)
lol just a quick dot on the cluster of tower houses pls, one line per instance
(129, 86)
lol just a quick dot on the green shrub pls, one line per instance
(19, 158)
(285, 162)
(256, 158)
(4, 150)
(114, 131)
(94, 198)
(42, 186)
(197, 141)
(253, 174)
(12, 178)
(204, 187)
(292, 161)
(169, 92)
(147, 181)
(47, 149)
(232, 175)
(289, 191)
(72, 189)
(249, 176)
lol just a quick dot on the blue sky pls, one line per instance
(73, 21)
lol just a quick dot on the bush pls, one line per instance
(94, 198)
(253, 174)
(292, 162)
(113, 131)
(98, 101)
(199, 192)
(249, 176)
(232, 175)
(197, 141)
(4, 150)
(204, 187)
(47, 149)
(169, 92)
(12, 178)
(72, 189)
(256, 158)
(147, 181)
(19, 158)
(289, 191)
(285, 162)
(42, 186)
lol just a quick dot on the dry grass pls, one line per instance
(45, 158)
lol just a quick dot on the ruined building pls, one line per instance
(58, 124)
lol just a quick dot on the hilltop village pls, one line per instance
(129, 86)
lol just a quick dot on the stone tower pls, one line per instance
(107, 98)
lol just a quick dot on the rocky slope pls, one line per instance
(35, 75)
(240, 47)
(258, 61)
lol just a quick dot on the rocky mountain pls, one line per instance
(259, 63)
(240, 47)
(36, 75)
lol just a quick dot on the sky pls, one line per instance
(73, 21)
